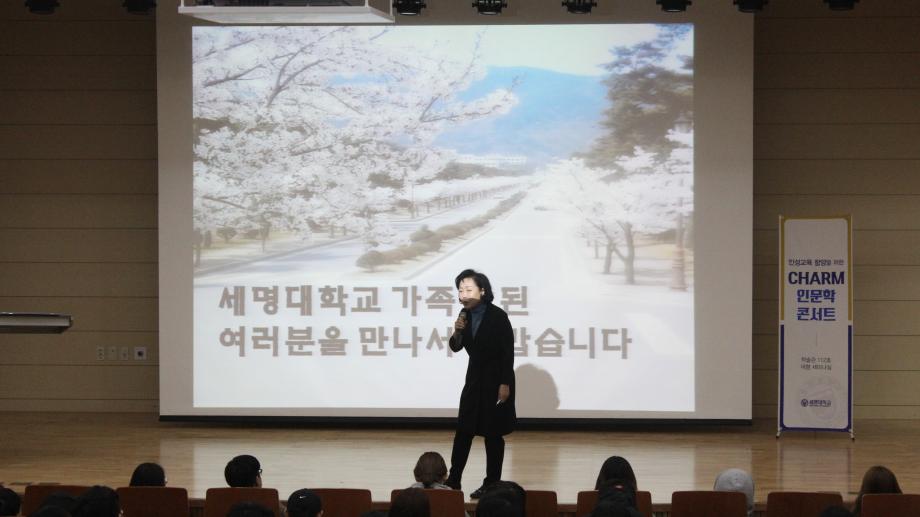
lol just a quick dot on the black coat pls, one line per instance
(491, 364)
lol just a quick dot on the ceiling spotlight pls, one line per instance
(139, 6)
(673, 6)
(42, 6)
(841, 5)
(490, 7)
(579, 6)
(751, 6)
(409, 7)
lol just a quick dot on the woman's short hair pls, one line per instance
(879, 480)
(616, 468)
(876, 480)
(430, 469)
(148, 474)
(481, 281)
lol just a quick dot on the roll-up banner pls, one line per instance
(815, 324)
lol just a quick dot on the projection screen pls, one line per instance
(325, 184)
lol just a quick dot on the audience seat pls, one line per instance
(587, 500)
(890, 505)
(800, 504)
(152, 501)
(35, 494)
(218, 501)
(344, 502)
(444, 503)
(541, 503)
(706, 503)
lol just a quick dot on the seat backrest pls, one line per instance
(705, 503)
(800, 504)
(153, 501)
(218, 501)
(443, 503)
(35, 494)
(888, 505)
(541, 503)
(344, 502)
(587, 500)
(585, 503)
(644, 502)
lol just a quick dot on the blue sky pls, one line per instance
(557, 114)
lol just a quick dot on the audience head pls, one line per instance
(737, 480)
(494, 505)
(879, 480)
(50, 511)
(148, 474)
(9, 502)
(304, 503)
(249, 509)
(876, 480)
(617, 469)
(836, 511)
(411, 502)
(61, 500)
(511, 492)
(617, 492)
(243, 471)
(97, 501)
(430, 469)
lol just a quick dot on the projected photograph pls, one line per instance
(344, 176)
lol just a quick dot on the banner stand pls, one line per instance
(815, 324)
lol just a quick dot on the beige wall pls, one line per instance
(78, 203)
(837, 130)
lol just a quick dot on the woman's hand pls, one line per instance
(460, 324)
(504, 391)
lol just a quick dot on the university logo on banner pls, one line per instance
(816, 324)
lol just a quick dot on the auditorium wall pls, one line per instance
(837, 121)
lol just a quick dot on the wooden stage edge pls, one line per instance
(104, 448)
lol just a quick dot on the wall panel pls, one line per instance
(837, 121)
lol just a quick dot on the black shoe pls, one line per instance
(453, 484)
(478, 492)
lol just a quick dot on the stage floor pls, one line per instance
(104, 449)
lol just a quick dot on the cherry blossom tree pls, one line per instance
(635, 197)
(306, 127)
(637, 179)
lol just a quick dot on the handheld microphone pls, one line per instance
(462, 316)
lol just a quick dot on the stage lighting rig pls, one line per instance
(490, 7)
(673, 6)
(579, 6)
(409, 7)
(751, 6)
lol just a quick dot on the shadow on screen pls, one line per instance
(537, 392)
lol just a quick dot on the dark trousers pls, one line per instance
(495, 455)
